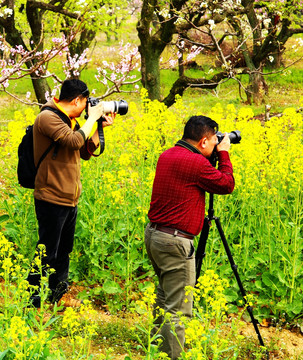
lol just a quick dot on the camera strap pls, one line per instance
(101, 139)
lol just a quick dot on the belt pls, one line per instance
(171, 231)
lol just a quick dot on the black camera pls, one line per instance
(234, 136)
(119, 107)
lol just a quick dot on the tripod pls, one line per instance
(200, 254)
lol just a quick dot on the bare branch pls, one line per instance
(32, 103)
(55, 8)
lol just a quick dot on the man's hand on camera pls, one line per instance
(224, 144)
(95, 112)
(109, 119)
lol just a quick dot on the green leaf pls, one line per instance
(261, 258)
(281, 277)
(110, 287)
(3, 354)
(49, 322)
(4, 218)
(259, 285)
(231, 295)
(119, 262)
(296, 307)
(233, 309)
(270, 281)
(142, 329)
(284, 256)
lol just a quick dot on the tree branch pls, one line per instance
(185, 82)
(54, 8)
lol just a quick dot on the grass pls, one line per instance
(115, 335)
(284, 88)
(8, 106)
(284, 91)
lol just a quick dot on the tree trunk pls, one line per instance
(257, 89)
(150, 72)
(77, 47)
(150, 49)
(41, 87)
(277, 61)
(181, 64)
(155, 32)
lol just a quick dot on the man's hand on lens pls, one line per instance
(109, 119)
(224, 144)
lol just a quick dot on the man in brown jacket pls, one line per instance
(57, 183)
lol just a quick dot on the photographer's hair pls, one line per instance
(73, 88)
(199, 126)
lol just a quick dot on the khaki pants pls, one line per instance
(173, 259)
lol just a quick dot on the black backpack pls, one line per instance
(26, 170)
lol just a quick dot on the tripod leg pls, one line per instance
(234, 268)
(200, 253)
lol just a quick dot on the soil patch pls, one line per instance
(283, 343)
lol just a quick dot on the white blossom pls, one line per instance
(266, 22)
(173, 62)
(211, 24)
(8, 12)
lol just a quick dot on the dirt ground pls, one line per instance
(286, 344)
(282, 343)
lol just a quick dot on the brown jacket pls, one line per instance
(58, 180)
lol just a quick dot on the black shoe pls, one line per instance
(35, 301)
(60, 290)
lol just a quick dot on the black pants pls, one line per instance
(56, 231)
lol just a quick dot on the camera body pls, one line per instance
(234, 136)
(119, 107)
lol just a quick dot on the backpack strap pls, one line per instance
(63, 116)
(65, 119)
(44, 154)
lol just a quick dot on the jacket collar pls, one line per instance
(188, 146)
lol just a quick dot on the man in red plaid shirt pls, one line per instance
(183, 175)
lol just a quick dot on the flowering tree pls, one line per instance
(101, 15)
(27, 25)
(115, 13)
(23, 26)
(258, 29)
(117, 77)
(14, 58)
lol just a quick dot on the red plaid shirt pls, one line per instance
(182, 177)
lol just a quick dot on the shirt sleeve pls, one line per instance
(216, 181)
(50, 125)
